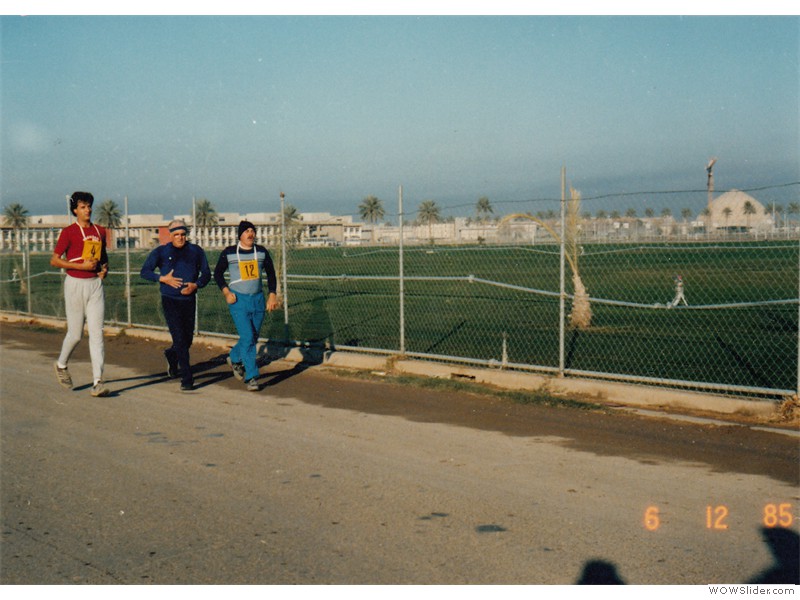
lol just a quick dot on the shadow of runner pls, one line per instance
(316, 332)
(279, 376)
(162, 377)
(784, 544)
(313, 354)
(148, 380)
(599, 572)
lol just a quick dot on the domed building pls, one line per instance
(737, 211)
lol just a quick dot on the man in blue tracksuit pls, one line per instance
(183, 269)
(246, 264)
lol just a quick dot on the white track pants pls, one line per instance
(84, 300)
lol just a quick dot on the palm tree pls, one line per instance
(749, 209)
(294, 230)
(205, 214)
(371, 210)
(109, 215)
(15, 216)
(428, 213)
(483, 208)
(706, 213)
(727, 211)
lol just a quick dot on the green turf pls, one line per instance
(357, 305)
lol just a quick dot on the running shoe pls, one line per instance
(99, 389)
(63, 377)
(238, 368)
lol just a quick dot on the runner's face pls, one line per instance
(83, 211)
(248, 237)
(179, 238)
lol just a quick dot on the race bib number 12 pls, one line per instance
(248, 270)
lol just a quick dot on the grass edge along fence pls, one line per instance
(509, 307)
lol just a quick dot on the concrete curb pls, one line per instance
(615, 394)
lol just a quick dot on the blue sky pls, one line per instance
(333, 109)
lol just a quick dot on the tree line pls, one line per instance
(371, 210)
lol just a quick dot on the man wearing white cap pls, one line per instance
(183, 269)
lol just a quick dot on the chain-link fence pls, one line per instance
(688, 309)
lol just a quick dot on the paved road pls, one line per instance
(319, 479)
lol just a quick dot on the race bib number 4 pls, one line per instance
(248, 270)
(91, 250)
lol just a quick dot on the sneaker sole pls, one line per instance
(63, 384)
(101, 394)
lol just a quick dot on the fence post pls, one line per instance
(283, 272)
(196, 236)
(27, 262)
(128, 263)
(562, 284)
(401, 276)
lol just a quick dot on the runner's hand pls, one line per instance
(171, 280)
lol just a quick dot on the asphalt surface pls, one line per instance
(319, 478)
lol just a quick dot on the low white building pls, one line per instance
(147, 231)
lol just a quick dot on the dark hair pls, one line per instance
(79, 197)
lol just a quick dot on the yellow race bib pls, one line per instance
(91, 250)
(248, 270)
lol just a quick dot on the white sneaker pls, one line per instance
(100, 390)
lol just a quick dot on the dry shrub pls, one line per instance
(581, 315)
(789, 410)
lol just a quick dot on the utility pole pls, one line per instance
(283, 268)
(710, 184)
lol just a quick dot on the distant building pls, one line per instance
(737, 211)
(148, 231)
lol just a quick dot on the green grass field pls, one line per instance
(350, 297)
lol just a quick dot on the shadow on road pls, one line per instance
(599, 572)
(784, 544)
